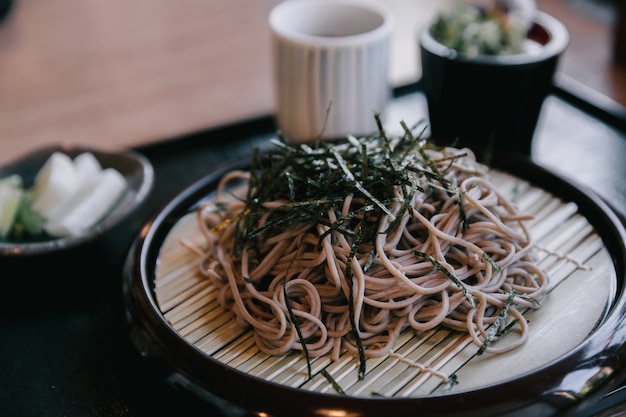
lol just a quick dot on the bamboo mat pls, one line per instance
(582, 284)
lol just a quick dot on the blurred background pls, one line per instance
(118, 74)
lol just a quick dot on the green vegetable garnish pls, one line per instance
(11, 195)
(28, 221)
(472, 31)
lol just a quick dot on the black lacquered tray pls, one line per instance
(576, 354)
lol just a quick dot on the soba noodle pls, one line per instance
(342, 246)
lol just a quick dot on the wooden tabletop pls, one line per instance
(115, 73)
(119, 74)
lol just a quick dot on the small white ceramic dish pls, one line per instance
(135, 168)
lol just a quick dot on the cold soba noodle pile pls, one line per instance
(341, 246)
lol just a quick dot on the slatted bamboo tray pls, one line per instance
(581, 276)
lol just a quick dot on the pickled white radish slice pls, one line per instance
(100, 195)
(87, 169)
(55, 182)
(87, 166)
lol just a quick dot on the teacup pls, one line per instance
(330, 67)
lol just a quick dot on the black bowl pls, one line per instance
(491, 101)
(135, 168)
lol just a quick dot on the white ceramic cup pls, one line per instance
(330, 67)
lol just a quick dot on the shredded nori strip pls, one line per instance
(332, 381)
(493, 330)
(353, 323)
(447, 273)
(296, 325)
(316, 179)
